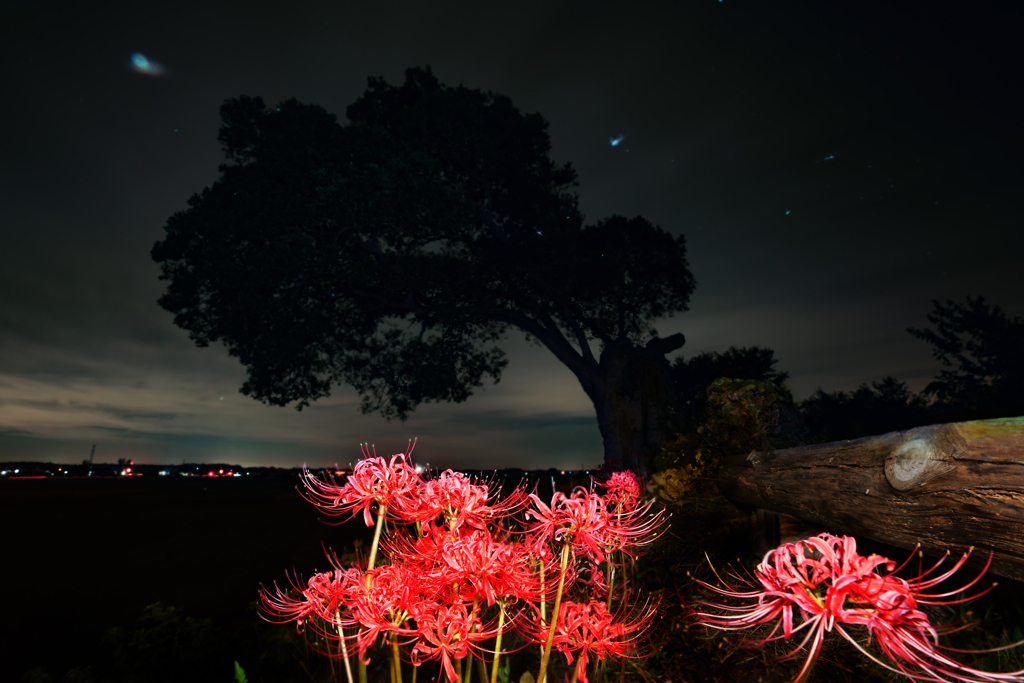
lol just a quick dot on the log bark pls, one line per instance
(945, 487)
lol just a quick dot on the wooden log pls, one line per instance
(947, 487)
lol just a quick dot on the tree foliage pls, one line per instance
(691, 378)
(884, 406)
(982, 348)
(985, 350)
(392, 252)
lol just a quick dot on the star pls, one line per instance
(142, 65)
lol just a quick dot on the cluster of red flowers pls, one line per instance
(464, 566)
(823, 584)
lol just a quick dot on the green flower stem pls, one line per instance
(470, 657)
(576, 672)
(611, 584)
(376, 537)
(554, 616)
(543, 601)
(344, 648)
(497, 644)
(373, 559)
(395, 659)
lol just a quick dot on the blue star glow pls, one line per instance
(140, 64)
(616, 140)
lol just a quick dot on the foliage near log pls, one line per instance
(738, 415)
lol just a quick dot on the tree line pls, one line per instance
(979, 347)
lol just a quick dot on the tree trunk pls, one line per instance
(637, 408)
(948, 487)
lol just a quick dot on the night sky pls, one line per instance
(835, 166)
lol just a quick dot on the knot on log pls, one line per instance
(923, 454)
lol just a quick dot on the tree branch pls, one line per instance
(552, 339)
(581, 338)
(665, 345)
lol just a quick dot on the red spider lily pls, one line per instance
(580, 520)
(461, 555)
(448, 632)
(597, 582)
(454, 497)
(384, 600)
(629, 531)
(584, 521)
(494, 569)
(588, 628)
(322, 597)
(830, 585)
(622, 491)
(473, 566)
(373, 480)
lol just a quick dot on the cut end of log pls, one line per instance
(911, 458)
(923, 454)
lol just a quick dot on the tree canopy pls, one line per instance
(392, 252)
(884, 406)
(986, 348)
(691, 377)
(980, 346)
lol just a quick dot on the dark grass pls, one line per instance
(82, 556)
(156, 580)
(82, 560)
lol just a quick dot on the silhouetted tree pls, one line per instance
(885, 406)
(691, 378)
(987, 350)
(388, 253)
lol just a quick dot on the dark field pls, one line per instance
(83, 555)
(85, 560)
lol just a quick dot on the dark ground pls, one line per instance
(84, 555)
(173, 565)
(84, 561)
